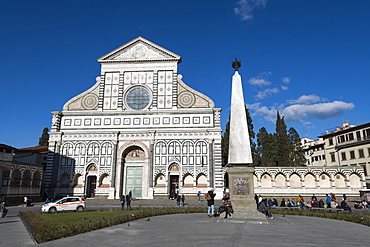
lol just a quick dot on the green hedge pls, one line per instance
(43, 230)
(356, 216)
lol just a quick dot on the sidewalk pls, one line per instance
(197, 230)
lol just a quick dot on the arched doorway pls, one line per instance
(92, 173)
(133, 164)
(174, 175)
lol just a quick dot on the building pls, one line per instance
(21, 172)
(314, 151)
(140, 128)
(349, 145)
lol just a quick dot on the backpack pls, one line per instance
(208, 197)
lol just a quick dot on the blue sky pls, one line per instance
(308, 59)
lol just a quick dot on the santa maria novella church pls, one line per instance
(139, 128)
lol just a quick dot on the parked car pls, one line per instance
(66, 203)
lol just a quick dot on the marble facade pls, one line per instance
(139, 128)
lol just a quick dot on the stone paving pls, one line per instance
(197, 230)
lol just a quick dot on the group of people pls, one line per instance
(225, 207)
(330, 201)
(126, 200)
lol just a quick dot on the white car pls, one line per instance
(66, 203)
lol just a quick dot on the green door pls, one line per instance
(134, 180)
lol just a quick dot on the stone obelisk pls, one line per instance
(240, 164)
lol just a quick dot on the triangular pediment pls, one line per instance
(139, 50)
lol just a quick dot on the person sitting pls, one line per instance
(345, 206)
(264, 208)
(314, 202)
(226, 207)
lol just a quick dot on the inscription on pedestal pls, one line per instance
(241, 186)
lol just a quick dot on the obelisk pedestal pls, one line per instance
(242, 193)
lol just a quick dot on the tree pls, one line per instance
(44, 139)
(225, 144)
(252, 134)
(282, 142)
(266, 148)
(297, 156)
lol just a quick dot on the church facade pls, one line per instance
(140, 128)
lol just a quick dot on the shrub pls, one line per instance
(43, 230)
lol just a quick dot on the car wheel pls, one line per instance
(52, 210)
(80, 209)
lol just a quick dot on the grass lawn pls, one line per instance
(64, 218)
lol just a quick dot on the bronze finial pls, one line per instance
(236, 64)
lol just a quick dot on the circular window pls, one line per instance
(138, 98)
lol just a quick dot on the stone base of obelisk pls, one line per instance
(242, 193)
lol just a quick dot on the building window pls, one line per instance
(358, 135)
(352, 154)
(361, 153)
(341, 139)
(138, 98)
(332, 156)
(323, 156)
(368, 152)
(331, 142)
(350, 137)
(343, 156)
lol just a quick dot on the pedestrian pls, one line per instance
(128, 201)
(172, 195)
(210, 197)
(328, 201)
(345, 206)
(264, 208)
(321, 203)
(25, 200)
(226, 207)
(2, 207)
(183, 200)
(178, 200)
(199, 195)
(282, 203)
(130, 194)
(275, 202)
(123, 201)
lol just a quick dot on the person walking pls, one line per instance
(128, 201)
(183, 200)
(199, 195)
(210, 197)
(123, 201)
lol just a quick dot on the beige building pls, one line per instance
(140, 128)
(21, 172)
(349, 145)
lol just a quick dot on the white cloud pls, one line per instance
(307, 99)
(284, 87)
(245, 8)
(260, 80)
(302, 112)
(269, 91)
(286, 80)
